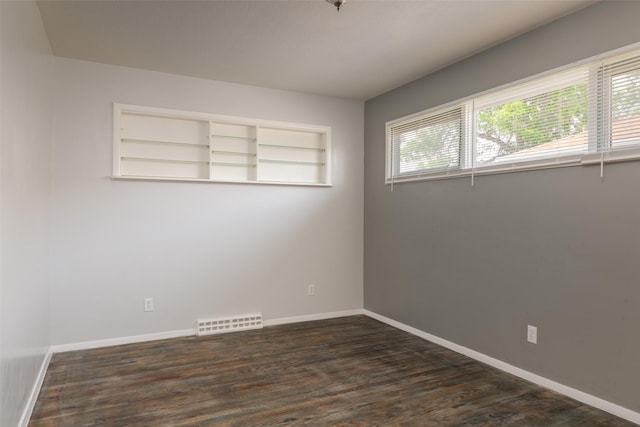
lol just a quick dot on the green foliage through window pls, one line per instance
(431, 147)
(531, 122)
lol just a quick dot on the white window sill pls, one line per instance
(567, 161)
(212, 181)
(626, 155)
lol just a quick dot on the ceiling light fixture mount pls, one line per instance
(337, 3)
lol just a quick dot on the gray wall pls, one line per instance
(27, 117)
(557, 249)
(200, 249)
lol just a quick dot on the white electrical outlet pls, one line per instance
(148, 304)
(311, 290)
(532, 334)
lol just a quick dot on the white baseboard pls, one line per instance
(573, 393)
(61, 348)
(310, 317)
(35, 391)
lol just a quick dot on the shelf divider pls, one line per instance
(243, 138)
(246, 165)
(293, 147)
(153, 159)
(150, 141)
(239, 153)
(292, 162)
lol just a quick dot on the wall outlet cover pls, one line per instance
(532, 334)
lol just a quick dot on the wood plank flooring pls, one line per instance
(349, 371)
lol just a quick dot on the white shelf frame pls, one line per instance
(254, 159)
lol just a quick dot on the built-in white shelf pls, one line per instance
(161, 144)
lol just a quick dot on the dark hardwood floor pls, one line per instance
(347, 371)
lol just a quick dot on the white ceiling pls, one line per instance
(367, 48)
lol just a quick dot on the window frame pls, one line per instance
(393, 162)
(597, 150)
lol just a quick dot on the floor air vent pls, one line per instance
(229, 324)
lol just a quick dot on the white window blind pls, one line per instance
(619, 103)
(428, 143)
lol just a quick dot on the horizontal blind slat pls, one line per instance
(619, 92)
(427, 143)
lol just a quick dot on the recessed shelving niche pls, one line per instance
(154, 143)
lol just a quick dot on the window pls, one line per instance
(153, 143)
(543, 119)
(557, 120)
(428, 143)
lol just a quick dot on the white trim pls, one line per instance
(194, 115)
(209, 181)
(86, 345)
(311, 317)
(573, 393)
(613, 156)
(35, 391)
(490, 170)
(117, 134)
